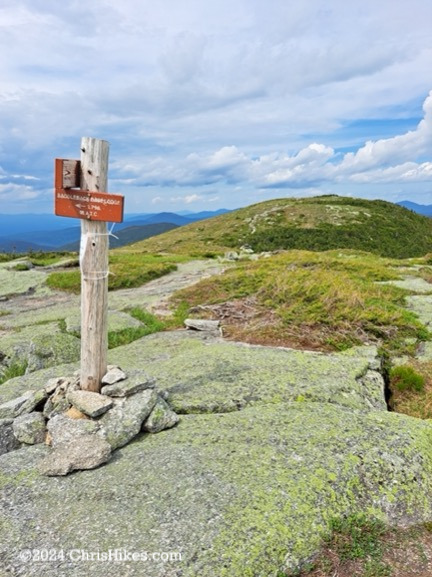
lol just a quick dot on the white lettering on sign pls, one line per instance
(81, 198)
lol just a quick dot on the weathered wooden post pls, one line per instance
(78, 194)
(94, 270)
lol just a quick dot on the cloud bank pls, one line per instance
(236, 100)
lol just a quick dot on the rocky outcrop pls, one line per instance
(272, 444)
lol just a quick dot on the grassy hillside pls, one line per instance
(319, 223)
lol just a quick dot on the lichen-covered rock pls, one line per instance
(30, 428)
(58, 402)
(52, 349)
(14, 282)
(85, 452)
(53, 384)
(12, 408)
(56, 406)
(117, 321)
(136, 381)
(124, 421)
(284, 441)
(162, 417)
(256, 488)
(35, 400)
(23, 404)
(89, 403)
(63, 429)
(8, 441)
(40, 346)
(113, 375)
(422, 306)
(213, 376)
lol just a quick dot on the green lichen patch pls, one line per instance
(41, 315)
(117, 321)
(19, 282)
(40, 346)
(205, 376)
(242, 494)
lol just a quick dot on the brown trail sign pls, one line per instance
(94, 209)
(69, 201)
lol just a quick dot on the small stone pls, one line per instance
(30, 428)
(58, 403)
(202, 325)
(8, 441)
(124, 421)
(135, 382)
(53, 383)
(73, 413)
(90, 403)
(162, 417)
(86, 452)
(63, 430)
(114, 375)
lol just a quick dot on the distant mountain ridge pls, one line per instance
(128, 235)
(425, 209)
(47, 232)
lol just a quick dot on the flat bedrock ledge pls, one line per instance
(256, 488)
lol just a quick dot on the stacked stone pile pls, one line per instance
(82, 427)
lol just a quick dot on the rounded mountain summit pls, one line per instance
(317, 223)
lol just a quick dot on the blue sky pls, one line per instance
(218, 104)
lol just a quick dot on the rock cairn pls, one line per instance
(84, 428)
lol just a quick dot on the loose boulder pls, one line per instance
(85, 452)
(30, 428)
(161, 418)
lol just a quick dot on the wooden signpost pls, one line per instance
(79, 193)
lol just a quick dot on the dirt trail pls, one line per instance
(155, 294)
(38, 303)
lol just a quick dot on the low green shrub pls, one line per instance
(15, 369)
(405, 378)
(151, 324)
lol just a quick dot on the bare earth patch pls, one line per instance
(405, 553)
(247, 321)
